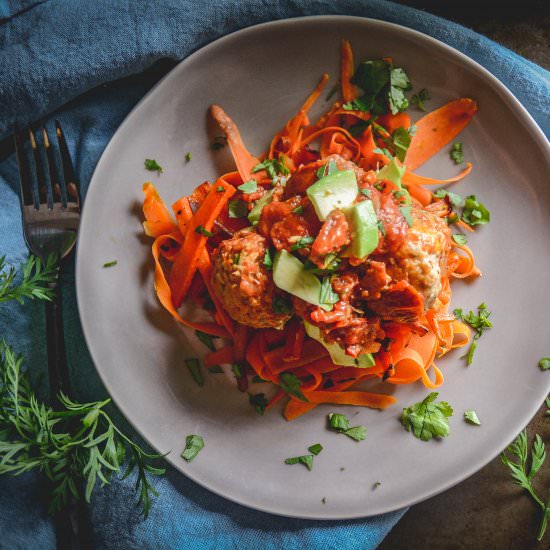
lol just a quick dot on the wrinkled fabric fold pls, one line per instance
(87, 64)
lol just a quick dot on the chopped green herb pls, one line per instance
(459, 239)
(194, 367)
(406, 211)
(282, 305)
(456, 153)
(384, 152)
(413, 129)
(306, 460)
(304, 242)
(250, 186)
(152, 165)
(381, 227)
(544, 363)
(400, 194)
(376, 484)
(324, 500)
(480, 323)
(315, 449)
(216, 369)
(366, 192)
(401, 140)
(291, 384)
(268, 261)
(193, 445)
(220, 189)
(340, 423)
(327, 296)
(358, 129)
(298, 210)
(110, 264)
(206, 339)
(427, 419)
(237, 208)
(236, 369)
(454, 198)
(259, 402)
(332, 91)
(471, 417)
(547, 402)
(474, 212)
(399, 84)
(219, 143)
(188, 157)
(516, 457)
(273, 167)
(202, 231)
(237, 258)
(355, 105)
(258, 380)
(327, 169)
(419, 99)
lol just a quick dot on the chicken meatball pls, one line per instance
(242, 284)
(422, 256)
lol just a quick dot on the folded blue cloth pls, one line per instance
(56, 54)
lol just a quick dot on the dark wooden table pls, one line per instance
(487, 511)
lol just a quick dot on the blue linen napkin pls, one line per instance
(92, 61)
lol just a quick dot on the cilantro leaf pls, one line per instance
(250, 186)
(194, 367)
(456, 153)
(206, 339)
(544, 363)
(315, 449)
(401, 140)
(419, 99)
(193, 445)
(399, 84)
(471, 417)
(202, 231)
(110, 264)
(359, 433)
(480, 323)
(327, 296)
(216, 369)
(259, 402)
(459, 239)
(427, 419)
(268, 261)
(406, 211)
(340, 423)
(282, 305)
(237, 208)
(327, 169)
(306, 460)
(303, 242)
(188, 157)
(454, 198)
(153, 166)
(291, 384)
(355, 105)
(475, 213)
(273, 167)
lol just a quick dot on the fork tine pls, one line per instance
(68, 171)
(43, 191)
(25, 177)
(55, 180)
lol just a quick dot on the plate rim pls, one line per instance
(523, 115)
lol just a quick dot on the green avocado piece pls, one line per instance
(338, 190)
(363, 225)
(392, 172)
(290, 275)
(337, 354)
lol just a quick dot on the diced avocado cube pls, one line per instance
(338, 190)
(363, 225)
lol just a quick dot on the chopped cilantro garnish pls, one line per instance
(216, 369)
(257, 380)
(427, 419)
(304, 242)
(250, 186)
(544, 363)
(355, 105)
(193, 445)
(459, 239)
(273, 167)
(381, 227)
(340, 423)
(399, 84)
(471, 417)
(480, 323)
(258, 401)
(315, 449)
(110, 264)
(327, 169)
(419, 99)
(306, 460)
(237, 370)
(194, 367)
(406, 211)
(206, 339)
(332, 91)
(456, 153)
(401, 139)
(188, 157)
(291, 384)
(202, 231)
(237, 258)
(220, 189)
(454, 198)
(327, 296)
(268, 262)
(298, 210)
(282, 305)
(376, 484)
(366, 192)
(152, 165)
(358, 129)
(219, 143)
(474, 212)
(237, 208)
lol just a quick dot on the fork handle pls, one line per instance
(72, 525)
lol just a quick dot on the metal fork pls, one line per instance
(50, 206)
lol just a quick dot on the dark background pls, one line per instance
(486, 511)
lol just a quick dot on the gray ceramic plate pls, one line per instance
(261, 75)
